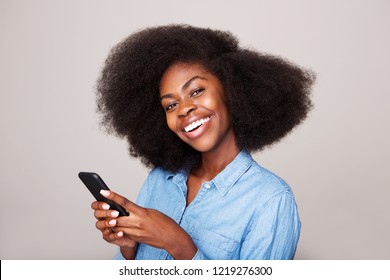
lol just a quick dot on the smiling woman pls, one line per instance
(192, 105)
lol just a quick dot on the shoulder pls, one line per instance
(264, 182)
(273, 197)
(153, 186)
(159, 173)
(159, 177)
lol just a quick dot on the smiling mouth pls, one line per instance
(196, 124)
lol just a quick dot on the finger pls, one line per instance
(108, 231)
(132, 233)
(124, 202)
(111, 236)
(102, 225)
(107, 234)
(132, 221)
(102, 214)
(99, 205)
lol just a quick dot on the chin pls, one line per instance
(202, 147)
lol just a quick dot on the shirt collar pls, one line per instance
(226, 179)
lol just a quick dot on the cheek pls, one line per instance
(209, 104)
(223, 114)
(171, 122)
(217, 105)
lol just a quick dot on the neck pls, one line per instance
(213, 162)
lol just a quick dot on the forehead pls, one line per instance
(179, 73)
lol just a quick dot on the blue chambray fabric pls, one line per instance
(246, 212)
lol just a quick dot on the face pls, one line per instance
(194, 103)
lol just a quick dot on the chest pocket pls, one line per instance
(215, 246)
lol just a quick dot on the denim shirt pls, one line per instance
(245, 212)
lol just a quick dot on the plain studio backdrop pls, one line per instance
(51, 53)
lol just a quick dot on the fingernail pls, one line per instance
(104, 193)
(119, 234)
(112, 222)
(105, 206)
(114, 214)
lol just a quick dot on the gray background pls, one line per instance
(337, 163)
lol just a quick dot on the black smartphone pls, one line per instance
(95, 184)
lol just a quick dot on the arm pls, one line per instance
(128, 252)
(124, 255)
(274, 231)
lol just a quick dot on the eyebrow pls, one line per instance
(186, 85)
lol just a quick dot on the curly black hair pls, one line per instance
(266, 96)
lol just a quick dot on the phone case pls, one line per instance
(95, 184)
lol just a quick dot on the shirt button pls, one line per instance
(207, 186)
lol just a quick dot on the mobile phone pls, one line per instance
(95, 184)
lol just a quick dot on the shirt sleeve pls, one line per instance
(275, 230)
(199, 256)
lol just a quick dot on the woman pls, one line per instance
(192, 105)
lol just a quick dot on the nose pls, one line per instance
(186, 108)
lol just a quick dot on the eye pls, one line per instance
(197, 92)
(170, 107)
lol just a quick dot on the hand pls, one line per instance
(106, 224)
(145, 225)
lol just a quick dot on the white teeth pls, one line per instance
(196, 124)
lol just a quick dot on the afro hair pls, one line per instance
(266, 96)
